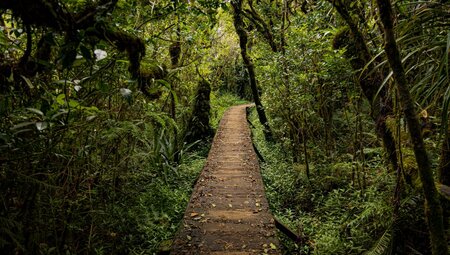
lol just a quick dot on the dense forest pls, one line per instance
(108, 109)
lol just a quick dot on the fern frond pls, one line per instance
(384, 245)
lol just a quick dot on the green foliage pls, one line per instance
(331, 212)
(88, 165)
(305, 85)
(120, 188)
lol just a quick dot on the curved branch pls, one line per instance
(261, 25)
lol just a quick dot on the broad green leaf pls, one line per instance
(27, 81)
(89, 118)
(164, 83)
(63, 82)
(23, 124)
(23, 131)
(73, 103)
(34, 110)
(56, 115)
(61, 99)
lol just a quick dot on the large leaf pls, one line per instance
(34, 110)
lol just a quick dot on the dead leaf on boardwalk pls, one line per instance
(194, 214)
(273, 246)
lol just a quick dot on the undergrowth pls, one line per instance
(102, 182)
(331, 214)
(149, 212)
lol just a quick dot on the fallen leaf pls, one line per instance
(273, 246)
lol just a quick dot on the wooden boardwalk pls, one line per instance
(228, 212)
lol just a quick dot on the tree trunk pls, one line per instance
(243, 38)
(444, 164)
(199, 127)
(398, 245)
(444, 176)
(433, 209)
(305, 150)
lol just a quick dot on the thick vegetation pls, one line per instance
(107, 109)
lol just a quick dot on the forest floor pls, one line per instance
(228, 212)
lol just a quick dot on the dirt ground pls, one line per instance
(228, 212)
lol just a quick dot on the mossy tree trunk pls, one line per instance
(174, 52)
(433, 209)
(444, 164)
(243, 39)
(199, 127)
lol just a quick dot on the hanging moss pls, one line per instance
(146, 80)
(175, 53)
(344, 40)
(50, 14)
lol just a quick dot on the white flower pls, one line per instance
(100, 54)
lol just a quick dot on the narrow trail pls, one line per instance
(228, 212)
